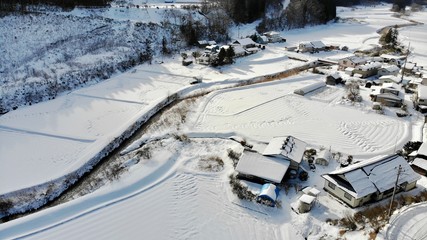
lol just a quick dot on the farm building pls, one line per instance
(388, 99)
(268, 194)
(239, 51)
(367, 70)
(286, 148)
(388, 70)
(255, 167)
(309, 88)
(314, 46)
(333, 79)
(312, 191)
(370, 180)
(351, 62)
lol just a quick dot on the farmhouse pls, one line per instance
(420, 166)
(367, 70)
(351, 62)
(370, 180)
(286, 148)
(388, 94)
(255, 167)
(314, 46)
(388, 70)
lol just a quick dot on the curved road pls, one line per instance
(409, 224)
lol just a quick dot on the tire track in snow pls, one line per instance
(184, 191)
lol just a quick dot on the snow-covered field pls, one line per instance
(271, 109)
(170, 196)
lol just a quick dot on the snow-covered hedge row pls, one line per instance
(43, 55)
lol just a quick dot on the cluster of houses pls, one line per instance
(357, 184)
(241, 47)
(385, 71)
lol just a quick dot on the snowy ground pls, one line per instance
(66, 132)
(169, 196)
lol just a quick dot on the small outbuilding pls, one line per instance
(323, 158)
(268, 194)
(306, 202)
(388, 70)
(333, 79)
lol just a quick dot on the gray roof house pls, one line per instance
(370, 180)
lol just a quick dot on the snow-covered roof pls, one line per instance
(335, 75)
(420, 162)
(238, 49)
(311, 191)
(390, 77)
(289, 147)
(269, 168)
(378, 173)
(305, 198)
(369, 66)
(202, 42)
(272, 33)
(349, 69)
(391, 85)
(318, 44)
(423, 149)
(391, 68)
(409, 66)
(389, 96)
(422, 92)
(389, 56)
(211, 42)
(245, 41)
(355, 59)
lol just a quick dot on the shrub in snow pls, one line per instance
(234, 156)
(241, 191)
(211, 164)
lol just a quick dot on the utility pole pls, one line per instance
(399, 170)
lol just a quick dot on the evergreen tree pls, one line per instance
(394, 37)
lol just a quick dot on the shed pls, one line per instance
(323, 158)
(306, 203)
(333, 79)
(268, 194)
(309, 88)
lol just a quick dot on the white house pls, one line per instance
(367, 70)
(288, 148)
(388, 70)
(370, 180)
(245, 43)
(311, 46)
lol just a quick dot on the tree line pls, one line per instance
(21, 5)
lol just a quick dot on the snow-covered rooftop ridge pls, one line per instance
(305, 198)
(255, 164)
(369, 66)
(391, 68)
(423, 149)
(288, 147)
(420, 162)
(356, 59)
(375, 174)
(390, 77)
